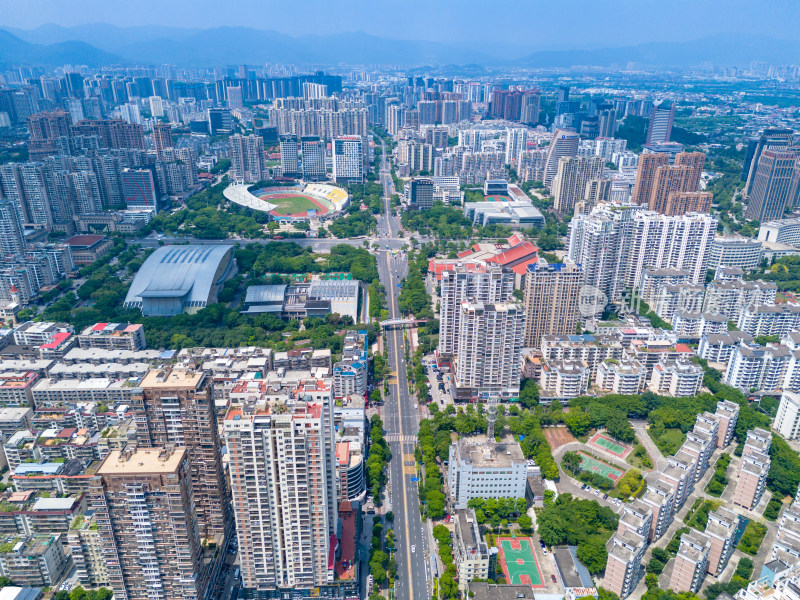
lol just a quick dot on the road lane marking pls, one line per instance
(399, 414)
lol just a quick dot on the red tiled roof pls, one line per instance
(84, 240)
(57, 339)
(343, 453)
(515, 239)
(522, 267)
(514, 254)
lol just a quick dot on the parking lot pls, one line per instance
(439, 385)
(600, 494)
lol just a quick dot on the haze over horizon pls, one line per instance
(563, 24)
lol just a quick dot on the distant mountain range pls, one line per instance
(13, 50)
(722, 50)
(99, 43)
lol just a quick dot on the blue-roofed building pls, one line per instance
(26, 469)
(175, 279)
(350, 373)
(315, 298)
(12, 592)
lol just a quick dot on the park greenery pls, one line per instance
(414, 297)
(719, 480)
(377, 459)
(630, 485)
(650, 314)
(498, 512)
(382, 567)
(639, 457)
(357, 224)
(697, 517)
(79, 593)
(742, 575)
(773, 509)
(753, 536)
(368, 194)
(785, 272)
(448, 582)
(444, 222)
(208, 215)
(218, 325)
(669, 414)
(668, 439)
(658, 560)
(584, 523)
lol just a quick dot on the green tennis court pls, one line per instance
(608, 444)
(592, 465)
(518, 560)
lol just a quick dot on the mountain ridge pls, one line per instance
(100, 43)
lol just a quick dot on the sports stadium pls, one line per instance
(296, 203)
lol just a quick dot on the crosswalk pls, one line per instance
(396, 437)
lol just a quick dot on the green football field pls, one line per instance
(290, 205)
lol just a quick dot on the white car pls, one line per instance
(413, 549)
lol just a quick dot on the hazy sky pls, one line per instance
(520, 22)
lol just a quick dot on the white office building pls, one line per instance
(735, 251)
(482, 468)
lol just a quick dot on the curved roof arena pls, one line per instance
(176, 278)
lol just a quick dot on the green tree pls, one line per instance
(577, 421)
(592, 553)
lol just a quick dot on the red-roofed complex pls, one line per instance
(88, 248)
(516, 254)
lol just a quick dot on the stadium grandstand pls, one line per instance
(240, 194)
(296, 203)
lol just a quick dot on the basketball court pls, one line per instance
(606, 443)
(589, 464)
(518, 558)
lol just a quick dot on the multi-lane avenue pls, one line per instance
(401, 423)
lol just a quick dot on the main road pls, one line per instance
(401, 421)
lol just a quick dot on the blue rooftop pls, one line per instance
(39, 469)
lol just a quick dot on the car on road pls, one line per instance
(596, 492)
(553, 577)
(413, 549)
(605, 496)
